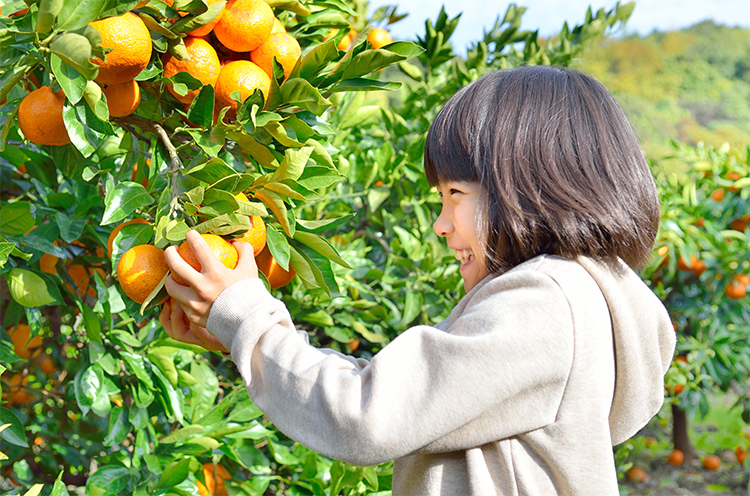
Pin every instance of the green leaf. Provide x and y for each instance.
(113, 479)
(293, 164)
(319, 226)
(16, 219)
(277, 206)
(212, 171)
(6, 248)
(76, 130)
(119, 427)
(201, 111)
(174, 473)
(316, 60)
(11, 78)
(191, 23)
(121, 200)
(28, 289)
(321, 246)
(186, 432)
(14, 433)
(93, 325)
(278, 246)
(365, 84)
(45, 18)
(77, 14)
(75, 50)
(299, 92)
(71, 81)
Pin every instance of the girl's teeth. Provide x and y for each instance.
(464, 256)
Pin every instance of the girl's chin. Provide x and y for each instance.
(472, 273)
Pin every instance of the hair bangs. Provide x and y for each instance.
(447, 151)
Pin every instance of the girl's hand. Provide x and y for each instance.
(205, 286)
(178, 327)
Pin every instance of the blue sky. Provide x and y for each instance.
(549, 15)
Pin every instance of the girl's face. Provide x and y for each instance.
(457, 223)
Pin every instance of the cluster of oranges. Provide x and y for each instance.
(378, 37)
(234, 52)
(30, 349)
(142, 267)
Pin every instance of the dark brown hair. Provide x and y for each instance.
(560, 169)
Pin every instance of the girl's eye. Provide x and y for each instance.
(454, 191)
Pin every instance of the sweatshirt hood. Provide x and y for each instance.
(644, 342)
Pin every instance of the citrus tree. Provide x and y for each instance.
(701, 273)
(124, 125)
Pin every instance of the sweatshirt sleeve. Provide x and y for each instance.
(498, 370)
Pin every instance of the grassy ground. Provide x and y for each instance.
(718, 433)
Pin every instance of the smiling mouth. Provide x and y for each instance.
(464, 256)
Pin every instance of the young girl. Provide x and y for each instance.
(556, 353)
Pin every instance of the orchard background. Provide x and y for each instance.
(326, 149)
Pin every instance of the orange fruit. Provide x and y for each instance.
(740, 224)
(48, 262)
(674, 390)
(676, 457)
(733, 176)
(122, 98)
(379, 37)
(203, 65)
(83, 279)
(130, 41)
(40, 117)
(220, 247)
(15, 394)
(276, 275)
(113, 234)
(215, 475)
(243, 76)
(140, 270)
(347, 40)
(256, 235)
(743, 279)
(741, 454)
(45, 363)
(696, 266)
(637, 474)
(718, 194)
(205, 30)
(22, 345)
(278, 27)
(681, 358)
(735, 290)
(244, 25)
(711, 462)
(283, 47)
(353, 344)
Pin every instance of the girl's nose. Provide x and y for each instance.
(442, 226)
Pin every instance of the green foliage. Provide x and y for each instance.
(691, 85)
(704, 245)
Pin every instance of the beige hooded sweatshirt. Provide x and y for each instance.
(523, 390)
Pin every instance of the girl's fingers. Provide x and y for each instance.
(179, 266)
(181, 327)
(202, 252)
(246, 261)
(179, 292)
